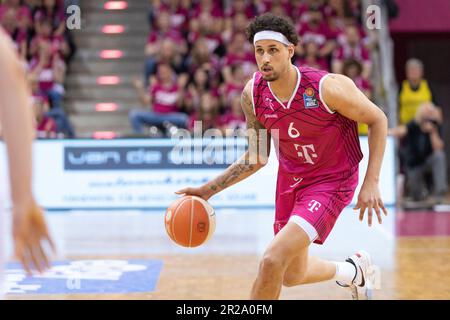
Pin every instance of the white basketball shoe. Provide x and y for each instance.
(360, 287)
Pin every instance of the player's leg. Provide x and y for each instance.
(309, 269)
(290, 243)
(303, 269)
(306, 269)
(316, 212)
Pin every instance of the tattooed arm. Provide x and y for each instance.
(251, 161)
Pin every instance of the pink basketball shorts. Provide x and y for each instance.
(313, 204)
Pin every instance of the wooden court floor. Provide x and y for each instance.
(422, 271)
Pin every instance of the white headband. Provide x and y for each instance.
(271, 35)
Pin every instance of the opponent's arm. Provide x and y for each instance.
(251, 161)
(29, 227)
(15, 114)
(341, 95)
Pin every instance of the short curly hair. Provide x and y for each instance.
(269, 21)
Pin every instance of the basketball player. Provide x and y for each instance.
(315, 115)
(28, 224)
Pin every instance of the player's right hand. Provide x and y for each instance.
(30, 233)
(201, 192)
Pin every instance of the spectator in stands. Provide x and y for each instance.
(352, 49)
(45, 125)
(153, 49)
(207, 114)
(54, 11)
(335, 15)
(207, 22)
(239, 7)
(238, 53)
(199, 84)
(211, 7)
(10, 23)
(312, 57)
(202, 57)
(211, 31)
(423, 151)
(33, 5)
(234, 84)
(353, 69)
(22, 12)
(37, 27)
(280, 9)
(170, 55)
(234, 25)
(178, 12)
(316, 29)
(233, 121)
(163, 98)
(57, 43)
(299, 9)
(335, 8)
(49, 69)
(276, 7)
(414, 91)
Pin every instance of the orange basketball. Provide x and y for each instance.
(190, 221)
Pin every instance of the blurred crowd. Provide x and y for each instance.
(198, 59)
(38, 31)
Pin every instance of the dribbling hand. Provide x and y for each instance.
(199, 192)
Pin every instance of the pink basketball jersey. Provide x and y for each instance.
(311, 139)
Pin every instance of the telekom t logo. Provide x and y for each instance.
(308, 152)
(314, 205)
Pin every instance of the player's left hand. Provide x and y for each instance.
(369, 198)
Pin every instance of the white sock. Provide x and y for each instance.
(345, 272)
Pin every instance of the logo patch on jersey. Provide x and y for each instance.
(309, 99)
(269, 103)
